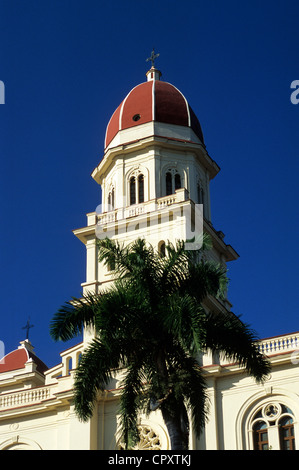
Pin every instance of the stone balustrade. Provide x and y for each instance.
(268, 346)
(278, 344)
(142, 208)
(24, 397)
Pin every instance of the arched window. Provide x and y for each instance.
(260, 436)
(78, 358)
(140, 188)
(168, 184)
(286, 433)
(200, 194)
(69, 365)
(111, 200)
(161, 248)
(272, 427)
(136, 189)
(177, 181)
(132, 190)
(173, 181)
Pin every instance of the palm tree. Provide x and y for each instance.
(151, 323)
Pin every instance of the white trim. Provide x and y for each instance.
(17, 441)
(153, 101)
(105, 141)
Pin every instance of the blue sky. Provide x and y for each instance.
(66, 66)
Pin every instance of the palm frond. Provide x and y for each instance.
(93, 374)
(205, 278)
(226, 333)
(69, 320)
(113, 254)
(203, 243)
(186, 387)
(195, 394)
(173, 268)
(184, 319)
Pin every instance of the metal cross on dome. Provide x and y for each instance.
(152, 58)
(27, 328)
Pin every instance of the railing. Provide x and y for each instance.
(166, 201)
(121, 213)
(142, 208)
(25, 397)
(279, 344)
(108, 217)
(135, 210)
(268, 346)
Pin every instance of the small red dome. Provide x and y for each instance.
(17, 360)
(153, 100)
(14, 360)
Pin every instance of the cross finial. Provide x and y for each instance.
(27, 328)
(152, 57)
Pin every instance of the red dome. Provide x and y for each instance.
(17, 360)
(152, 101)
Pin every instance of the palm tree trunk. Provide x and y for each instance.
(178, 441)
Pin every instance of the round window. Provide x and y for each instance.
(136, 117)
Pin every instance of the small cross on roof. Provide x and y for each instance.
(27, 328)
(152, 57)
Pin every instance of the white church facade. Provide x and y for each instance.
(155, 180)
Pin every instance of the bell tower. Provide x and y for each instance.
(155, 175)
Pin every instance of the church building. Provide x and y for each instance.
(155, 173)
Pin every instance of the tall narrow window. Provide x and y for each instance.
(260, 436)
(140, 188)
(168, 184)
(161, 249)
(78, 357)
(177, 181)
(200, 196)
(69, 365)
(112, 198)
(198, 193)
(173, 181)
(132, 190)
(286, 433)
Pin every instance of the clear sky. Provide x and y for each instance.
(67, 65)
